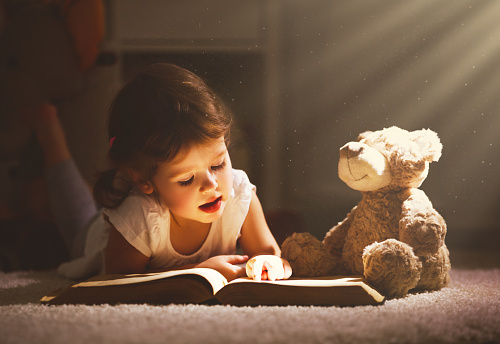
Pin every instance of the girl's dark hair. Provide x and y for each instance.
(157, 114)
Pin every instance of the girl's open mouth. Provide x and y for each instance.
(212, 207)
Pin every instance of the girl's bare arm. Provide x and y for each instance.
(257, 240)
(120, 257)
(123, 258)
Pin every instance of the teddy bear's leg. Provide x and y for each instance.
(435, 270)
(391, 267)
(334, 240)
(307, 256)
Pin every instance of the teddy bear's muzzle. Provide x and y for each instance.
(363, 168)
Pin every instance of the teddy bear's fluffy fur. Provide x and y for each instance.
(394, 236)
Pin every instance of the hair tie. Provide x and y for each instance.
(111, 141)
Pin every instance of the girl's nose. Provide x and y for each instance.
(209, 182)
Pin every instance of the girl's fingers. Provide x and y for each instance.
(268, 267)
(236, 259)
(267, 271)
(257, 270)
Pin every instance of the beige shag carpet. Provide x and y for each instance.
(468, 311)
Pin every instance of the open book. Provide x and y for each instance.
(201, 285)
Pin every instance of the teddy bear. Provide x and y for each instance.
(394, 236)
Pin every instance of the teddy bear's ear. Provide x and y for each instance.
(429, 144)
(364, 135)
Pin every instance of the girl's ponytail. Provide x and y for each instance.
(111, 189)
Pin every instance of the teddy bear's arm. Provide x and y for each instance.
(335, 238)
(421, 226)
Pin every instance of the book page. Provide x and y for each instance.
(328, 281)
(215, 278)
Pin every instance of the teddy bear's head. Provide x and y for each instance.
(390, 158)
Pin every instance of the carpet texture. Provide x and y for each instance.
(468, 311)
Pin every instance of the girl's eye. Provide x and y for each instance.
(219, 167)
(187, 182)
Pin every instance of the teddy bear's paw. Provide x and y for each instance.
(424, 231)
(307, 256)
(435, 270)
(391, 267)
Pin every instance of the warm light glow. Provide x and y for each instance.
(360, 65)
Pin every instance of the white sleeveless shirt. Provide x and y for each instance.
(145, 224)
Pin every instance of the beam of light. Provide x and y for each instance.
(415, 64)
(370, 59)
(444, 68)
(457, 70)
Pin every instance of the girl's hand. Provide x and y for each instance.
(226, 265)
(268, 267)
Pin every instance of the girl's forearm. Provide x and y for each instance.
(183, 267)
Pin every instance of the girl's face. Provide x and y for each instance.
(196, 186)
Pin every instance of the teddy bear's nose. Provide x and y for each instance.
(351, 150)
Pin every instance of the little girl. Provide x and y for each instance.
(171, 199)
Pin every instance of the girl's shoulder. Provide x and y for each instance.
(242, 187)
(138, 198)
(136, 202)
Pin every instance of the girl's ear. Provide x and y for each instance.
(145, 187)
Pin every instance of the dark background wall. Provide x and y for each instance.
(304, 77)
(364, 65)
